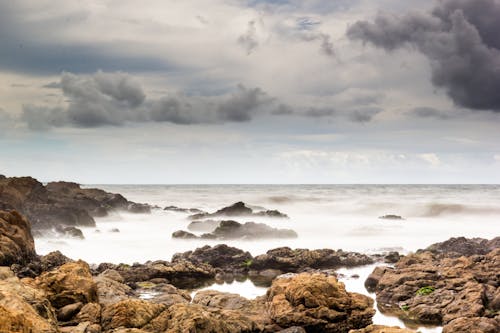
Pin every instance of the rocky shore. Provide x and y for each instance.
(454, 283)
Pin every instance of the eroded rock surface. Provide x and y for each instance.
(16, 242)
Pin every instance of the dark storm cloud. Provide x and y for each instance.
(249, 39)
(117, 98)
(459, 37)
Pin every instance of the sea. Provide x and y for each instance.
(324, 216)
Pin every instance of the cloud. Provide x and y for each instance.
(429, 112)
(431, 158)
(459, 37)
(117, 98)
(249, 39)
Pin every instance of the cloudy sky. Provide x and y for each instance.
(250, 91)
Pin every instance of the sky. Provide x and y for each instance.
(250, 91)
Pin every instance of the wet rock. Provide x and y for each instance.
(438, 287)
(219, 256)
(288, 260)
(184, 210)
(67, 312)
(391, 217)
(16, 242)
(111, 291)
(392, 257)
(318, 303)
(473, 325)
(217, 299)
(181, 234)
(130, 313)
(71, 232)
(139, 208)
(265, 277)
(238, 209)
(53, 260)
(164, 293)
(250, 230)
(462, 246)
(382, 329)
(203, 226)
(23, 307)
(68, 284)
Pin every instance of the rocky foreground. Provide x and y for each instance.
(455, 284)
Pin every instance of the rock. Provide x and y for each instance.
(473, 325)
(203, 226)
(217, 299)
(391, 217)
(67, 312)
(113, 275)
(219, 256)
(318, 303)
(184, 210)
(16, 242)
(438, 287)
(250, 230)
(199, 319)
(90, 312)
(53, 260)
(288, 260)
(265, 277)
(182, 274)
(23, 308)
(238, 209)
(130, 313)
(382, 329)
(111, 291)
(294, 329)
(114, 230)
(138, 208)
(392, 257)
(462, 246)
(72, 232)
(374, 278)
(183, 235)
(68, 284)
(165, 293)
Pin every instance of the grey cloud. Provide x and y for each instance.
(249, 39)
(363, 115)
(459, 37)
(428, 112)
(117, 98)
(52, 85)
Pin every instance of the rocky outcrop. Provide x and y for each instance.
(473, 325)
(382, 329)
(16, 242)
(238, 209)
(287, 260)
(24, 308)
(438, 286)
(461, 246)
(182, 274)
(183, 210)
(221, 256)
(235, 230)
(203, 226)
(60, 203)
(70, 232)
(130, 313)
(318, 303)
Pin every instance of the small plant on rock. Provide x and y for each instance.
(247, 263)
(424, 291)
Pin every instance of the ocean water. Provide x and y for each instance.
(324, 216)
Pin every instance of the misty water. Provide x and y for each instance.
(324, 216)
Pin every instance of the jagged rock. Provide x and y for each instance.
(250, 230)
(90, 312)
(318, 303)
(473, 325)
(16, 242)
(438, 287)
(53, 260)
(68, 284)
(23, 308)
(111, 291)
(288, 260)
(203, 226)
(72, 232)
(183, 235)
(462, 246)
(238, 209)
(219, 256)
(130, 313)
(382, 329)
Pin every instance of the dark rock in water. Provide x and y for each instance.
(16, 242)
(250, 230)
(220, 256)
(72, 232)
(391, 217)
(463, 246)
(236, 210)
(183, 235)
(114, 230)
(288, 260)
(138, 208)
(449, 281)
(53, 260)
(184, 210)
(392, 257)
(263, 278)
(203, 226)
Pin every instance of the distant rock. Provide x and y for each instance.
(71, 232)
(219, 256)
(138, 208)
(114, 230)
(183, 235)
(238, 209)
(184, 210)
(462, 246)
(391, 217)
(203, 226)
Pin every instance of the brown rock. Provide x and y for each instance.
(110, 291)
(67, 312)
(90, 312)
(382, 329)
(68, 284)
(317, 302)
(16, 242)
(473, 325)
(217, 299)
(130, 313)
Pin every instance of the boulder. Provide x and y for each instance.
(130, 313)
(69, 311)
(90, 312)
(238, 209)
(473, 325)
(16, 242)
(53, 260)
(163, 293)
(219, 256)
(181, 234)
(68, 284)
(110, 291)
(288, 260)
(436, 287)
(250, 230)
(318, 303)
